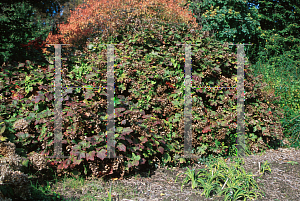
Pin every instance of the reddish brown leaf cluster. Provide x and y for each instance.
(36, 44)
(170, 85)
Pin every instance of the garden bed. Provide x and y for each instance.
(282, 183)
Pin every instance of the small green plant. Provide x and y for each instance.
(220, 179)
(109, 193)
(265, 167)
(190, 176)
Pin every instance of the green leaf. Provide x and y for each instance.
(182, 160)
(201, 150)
(166, 157)
(254, 129)
(3, 138)
(3, 128)
(25, 163)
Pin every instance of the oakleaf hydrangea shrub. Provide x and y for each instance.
(149, 100)
(149, 103)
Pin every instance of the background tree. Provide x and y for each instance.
(279, 22)
(24, 23)
(17, 28)
(90, 19)
(55, 12)
(273, 28)
(50, 10)
(230, 21)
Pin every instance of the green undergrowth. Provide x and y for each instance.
(282, 75)
(219, 179)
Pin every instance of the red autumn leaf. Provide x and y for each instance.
(82, 154)
(161, 150)
(206, 129)
(49, 96)
(101, 154)
(91, 16)
(39, 97)
(60, 166)
(17, 96)
(90, 155)
(121, 147)
(66, 163)
(76, 162)
(36, 44)
(170, 85)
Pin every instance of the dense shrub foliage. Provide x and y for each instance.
(149, 85)
(149, 117)
(149, 98)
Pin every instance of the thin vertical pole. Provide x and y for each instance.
(58, 105)
(240, 102)
(110, 102)
(188, 135)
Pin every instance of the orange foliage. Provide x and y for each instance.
(93, 16)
